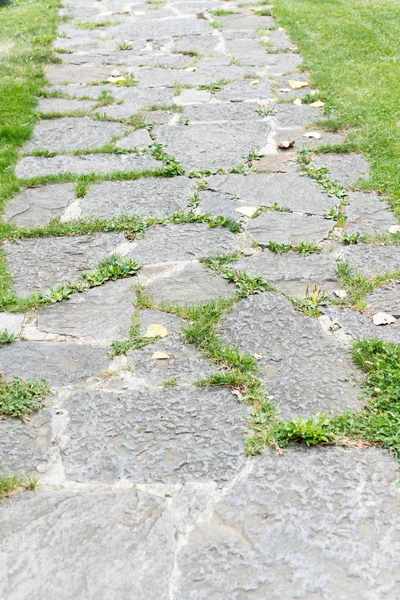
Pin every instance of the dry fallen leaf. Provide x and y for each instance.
(237, 393)
(297, 85)
(257, 356)
(255, 82)
(160, 356)
(312, 135)
(394, 229)
(285, 144)
(340, 293)
(382, 318)
(156, 330)
(317, 104)
(247, 211)
(298, 102)
(116, 79)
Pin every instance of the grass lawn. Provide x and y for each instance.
(351, 48)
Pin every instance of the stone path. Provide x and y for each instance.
(145, 490)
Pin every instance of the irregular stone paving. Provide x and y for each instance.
(145, 490)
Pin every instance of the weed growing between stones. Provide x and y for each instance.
(96, 24)
(214, 87)
(304, 248)
(358, 286)
(18, 397)
(135, 341)
(12, 484)
(7, 338)
(168, 383)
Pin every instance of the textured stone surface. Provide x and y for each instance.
(305, 369)
(386, 299)
(213, 146)
(35, 166)
(149, 197)
(63, 105)
(223, 111)
(61, 364)
(287, 228)
(290, 115)
(372, 259)
(238, 91)
(100, 315)
(368, 214)
(218, 204)
(161, 435)
(137, 139)
(35, 207)
(361, 326)
(345, 168)
(39, 263)
(11, 322)
(301, 142)
(182, 242)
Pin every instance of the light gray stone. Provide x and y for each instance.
(73, 133)
(36, 166)
(79, 74)
(187, 283)
(280, 40)
(218, 205)
(161, 435)
(222, 111)
(137, 139)
(38, 263)
(288, 228)
(306, 370)
(148, 316)
(60, 363)
(292, 272)
(147, 197)
(238, 91)
(100, 315)
(385, 299)
(286, 190)
(301, 142)
(347, 169)
(368, 213)
(213, 146)
(239, 22)
(190, 96)
(35, 207)
(63, 105)
(153, 78)
(183, 242)
(361, 325)
(290, 115)
(11, 322)
(178, 26)
(297, 526)
(159, 117)
(202, 44)
(372, 259)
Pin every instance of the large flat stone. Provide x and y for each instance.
(79, 74)
(160, 435)
(213, 146)
(239, 22)
(35, 207)
(305, 369)
(218, 204)
(182, 242)
(359, 325)
(292, 272)
(36, 166)
(73, 133)
(203, 44)
(385, 299)
(137, 140)
(38, 263)
(290, 115)
(367, 213)
(238, 91)
(372, 259)
(298, 526)
(153, 78)
(63, 105)
(288, 228)
(347, 169)
(149, 197)
(286, 190)
(221, 111)
(100, 315)
(180, 26)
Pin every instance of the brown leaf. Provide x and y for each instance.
(382, 318)
(297, 85)
(285, 144)
(317, 104)
(160, 356)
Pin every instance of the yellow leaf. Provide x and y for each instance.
(156, 330)
(255, 82)
(297, 85)
(317, 104)
(298, 102)
(116, 79)
(160, 356)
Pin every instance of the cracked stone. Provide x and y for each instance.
(160, 435)
(361, 325)
(137, 139)
(372, 259)
(368, 213)
(385, 299)
(347, 169)
(38, 263)
(288, 228)
(305, 369)
(35, 207)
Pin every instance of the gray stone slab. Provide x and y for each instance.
(188, 283)
(292, 272)
(296, 134)
(218, 204)
(66, 543)
(345, 168)
(73, 133)
(297, 526)
(183, 242)
(81, 74)
(154, 435)
(35, 207)
(222, 111)
(60, 363)
(36, 166)
(372, 259)
(11, 322)
(368, 213)
(278, 64)
(385, 299)
(153, 78)
(148, 197)
(287, 190)
(213, 146)
(152, 30)
(38, 263)
(306, 370)
(276, 163)
(238, 91)
(202, 44)
(25, 446)
(288, 228)
(136, 140)
(63, 105)
(159, 117)
(284, 91)
(280, 40)
(291, 115)
(172, 323)
(100, 315)
(239, 22)
(361, 325)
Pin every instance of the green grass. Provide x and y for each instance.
(18, 397)
(351, 49)
(12, 484)
(95, 24)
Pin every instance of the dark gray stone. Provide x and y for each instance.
(100, 315)
(39, 263)
(288, 228)
(202, 44)
(218, 204)
(367, 213)
(35, 207)
(292, 272)
(79, 74)
(306, 370)
(309, 524)
(153, 78)
(213, 146)
(221, 111)
(137, 139)
(361, 325)
(287, 190)
(280, 40)
(372, 259)
(60, 363)
(36, 166)
(160, 435)
(148, 316)
(188, 283)
(290, 115)
(238, 91)
(148, 197)
(73, 133)
(347, 169)
(63, 105)
(385, 299)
